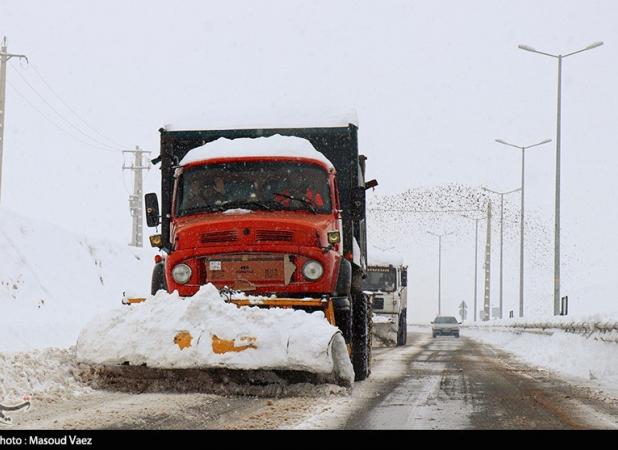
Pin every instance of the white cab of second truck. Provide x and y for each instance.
(387, 282)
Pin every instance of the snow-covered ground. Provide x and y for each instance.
(53, 281)
(582, 347)
(43, 375)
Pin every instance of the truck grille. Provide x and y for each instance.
(378, 303)
(219, 236)
(274, 235)
(247, 271)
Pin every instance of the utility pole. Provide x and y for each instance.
(486, 303)
(4, 57)
(501, 194)
(476, 257)
(135, 200)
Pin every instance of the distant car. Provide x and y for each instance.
(445, 326)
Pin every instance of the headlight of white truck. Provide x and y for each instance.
(313, 270)
(181, 273)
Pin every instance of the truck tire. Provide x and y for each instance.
(361, 351)
(360, 338)
(158, 278)
(343, 319)
(402, 331)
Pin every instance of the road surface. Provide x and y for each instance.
(462, 384)
(441, 383)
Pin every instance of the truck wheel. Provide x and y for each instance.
(360, 338)
(343, 320)
(158, 278)
(402, 332)
(361, 351)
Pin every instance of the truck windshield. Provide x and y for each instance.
(264, 185)
(381, 279)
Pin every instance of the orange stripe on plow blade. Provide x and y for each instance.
(183, 340)
(223, 345)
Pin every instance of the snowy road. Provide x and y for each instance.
(461, 384)
(442, 383)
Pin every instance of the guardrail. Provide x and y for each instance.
(605, 330)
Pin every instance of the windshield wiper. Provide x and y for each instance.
(304, 201)
(238, 203)
(199, 209)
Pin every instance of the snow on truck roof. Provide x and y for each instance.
(277, 145)
(377, 257)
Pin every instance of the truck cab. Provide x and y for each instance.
(271, 217)
(387, 285)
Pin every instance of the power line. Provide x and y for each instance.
(59, 127)
(79, 130)
(53, 91)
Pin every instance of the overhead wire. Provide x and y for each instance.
(71, 124)
(77, 115)
(55, 124)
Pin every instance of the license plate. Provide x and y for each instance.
(254, 269)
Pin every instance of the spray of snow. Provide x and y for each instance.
(144, 333)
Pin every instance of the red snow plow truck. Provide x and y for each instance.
(273, 218)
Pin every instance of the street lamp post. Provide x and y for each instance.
(558, 138)
(439, 236)
(501, 194)
(521, 219)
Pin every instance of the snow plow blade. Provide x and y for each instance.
(384, 332)
(207, 332)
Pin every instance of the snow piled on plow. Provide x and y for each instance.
(143, 333)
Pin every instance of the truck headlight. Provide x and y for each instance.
(181, 273)
(312, 270)
(334, 237)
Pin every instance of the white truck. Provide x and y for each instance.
(386, 283)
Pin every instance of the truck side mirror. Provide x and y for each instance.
(404, 278)
(358, 204)
(152, 209)
(371, 184)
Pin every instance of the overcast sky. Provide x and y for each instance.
(433, 84)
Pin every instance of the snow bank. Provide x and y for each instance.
(584, 346)
(264, 117)
(563, 352)
(277, 145)
(144, 334)
(42, 374)
(602, 327)
(52, 281)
